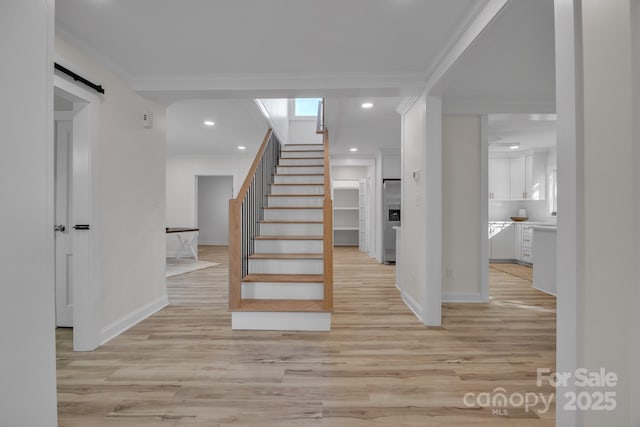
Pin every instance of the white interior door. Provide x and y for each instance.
(63, 242)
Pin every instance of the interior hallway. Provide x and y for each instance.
(378, 367)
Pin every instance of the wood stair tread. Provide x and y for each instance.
(299, 174)
(289, 238)
(285, 278)
(300, 151)
(295, 195)
(285, 256)
(284, 221)
(300, 158)
(291, 207)
(301, 166)
(297, 184)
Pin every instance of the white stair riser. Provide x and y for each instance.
(289, 154)
(258, 290)
(301, 162)
(290, 229)
(280, 321)
(302, 147)
(297, 189)
(286, 201)
(311, 179)
(288, 170)
(289, 246)
(293, 214)
(285, 266)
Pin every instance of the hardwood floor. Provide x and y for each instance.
(379, 366)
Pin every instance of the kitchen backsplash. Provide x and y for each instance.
(503, 210)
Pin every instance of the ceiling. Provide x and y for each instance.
(237, 123)
(195, 37)
(530, 131)
(511, 67)
(210, 58)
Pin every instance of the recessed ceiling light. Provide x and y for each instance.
(514, 147)
(241, 147)
(353, 150)
(209, 123)
(367, 105)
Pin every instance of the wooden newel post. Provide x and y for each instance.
(235, 254)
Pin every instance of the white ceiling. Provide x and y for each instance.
(237, 122)
(368, 130)
(163, 37)
(511, 67)
(530, 131)
(348, 51)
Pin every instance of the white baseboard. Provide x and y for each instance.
(111, 331)
(281, 321)
(471, 297)
(412, 304)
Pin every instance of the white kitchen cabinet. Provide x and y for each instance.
(518, 178)
(536, 174)
(502, 241)
(498, 179)
(524, 241)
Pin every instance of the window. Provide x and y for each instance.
(306, 107)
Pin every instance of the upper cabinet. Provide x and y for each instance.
(518, 178)
(498, 179)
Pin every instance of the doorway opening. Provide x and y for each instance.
(76, 208)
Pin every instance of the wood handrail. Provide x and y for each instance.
(328, 228)
(254, 167)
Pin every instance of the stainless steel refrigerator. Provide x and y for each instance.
(390, 218)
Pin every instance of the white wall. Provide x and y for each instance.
(302, 131)
(276, 111)
(214, 193)
(27, 371)
(132, 162)
(460, 203)
(349, 172)
(181, 182)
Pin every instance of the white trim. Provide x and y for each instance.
(131, 319)
(87, 299)
(432, 229)
(406, 104)
(92, 53)
(281, 321)
(466, 107)
(570, 126)
(413, 305)
(463, 297)
(484, 208)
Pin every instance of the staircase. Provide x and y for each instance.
(281, 242)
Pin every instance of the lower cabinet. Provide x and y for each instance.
(524, 240)
(501, 241)
(509, 241)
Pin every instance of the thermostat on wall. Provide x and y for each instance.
(147, 119)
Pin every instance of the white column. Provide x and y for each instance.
(597, 230)
(27, 371)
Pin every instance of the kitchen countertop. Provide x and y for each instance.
(528, 222)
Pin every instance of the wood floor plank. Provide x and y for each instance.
(379, 366)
